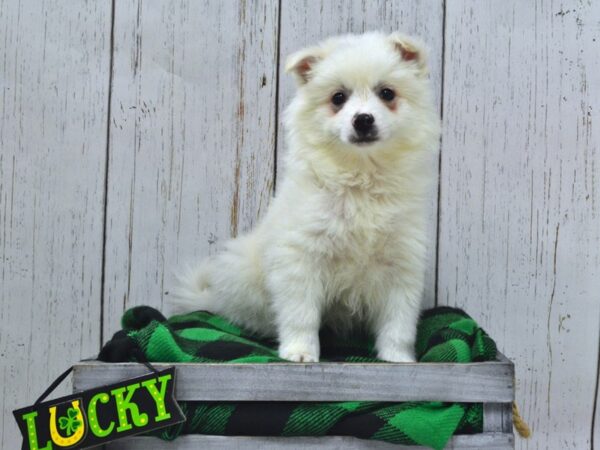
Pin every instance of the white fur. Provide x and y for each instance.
(343, 241)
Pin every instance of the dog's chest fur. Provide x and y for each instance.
(357, 221)
(355, 227)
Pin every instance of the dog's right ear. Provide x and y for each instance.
(301, 63)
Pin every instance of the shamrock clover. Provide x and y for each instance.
(69, 423)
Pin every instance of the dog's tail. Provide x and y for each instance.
(230, 284)
(193, 291)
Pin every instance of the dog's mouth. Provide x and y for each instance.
(363, 140)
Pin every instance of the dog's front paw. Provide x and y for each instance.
(396, 355)
(299, 357)
(299, 353)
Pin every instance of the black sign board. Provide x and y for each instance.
(101, 415)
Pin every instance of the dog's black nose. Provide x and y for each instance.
(363, 123)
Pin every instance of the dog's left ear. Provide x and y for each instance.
(411, 50)
(301, 63)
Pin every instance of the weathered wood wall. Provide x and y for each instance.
(192, 133)
(139, 136)
(54, 66)
(519, 229)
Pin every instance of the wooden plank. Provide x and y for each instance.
(519, 243)
(493, 441)
(54, 74)
(191, 138)
(306, 22)
(595, 432)
(477, 382)
(497, 417)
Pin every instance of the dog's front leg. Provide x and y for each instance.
(297, 300)
(396, 325)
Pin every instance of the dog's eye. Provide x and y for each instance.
(338, 99)
(387, 95)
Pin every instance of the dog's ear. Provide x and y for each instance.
(301, 63)
(411, 50)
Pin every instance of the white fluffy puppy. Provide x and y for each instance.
(344, 239)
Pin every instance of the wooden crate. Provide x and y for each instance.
(490, 383)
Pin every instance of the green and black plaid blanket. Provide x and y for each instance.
(444, 334)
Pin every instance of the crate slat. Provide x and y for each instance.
(497, 417)
(488, 382)
(494, 441)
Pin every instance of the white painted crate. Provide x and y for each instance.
(490, 383)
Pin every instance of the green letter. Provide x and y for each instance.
(102, 397)
(159, 397)
(139, 420)
(32, 432)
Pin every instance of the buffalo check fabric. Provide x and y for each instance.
(444, 335)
